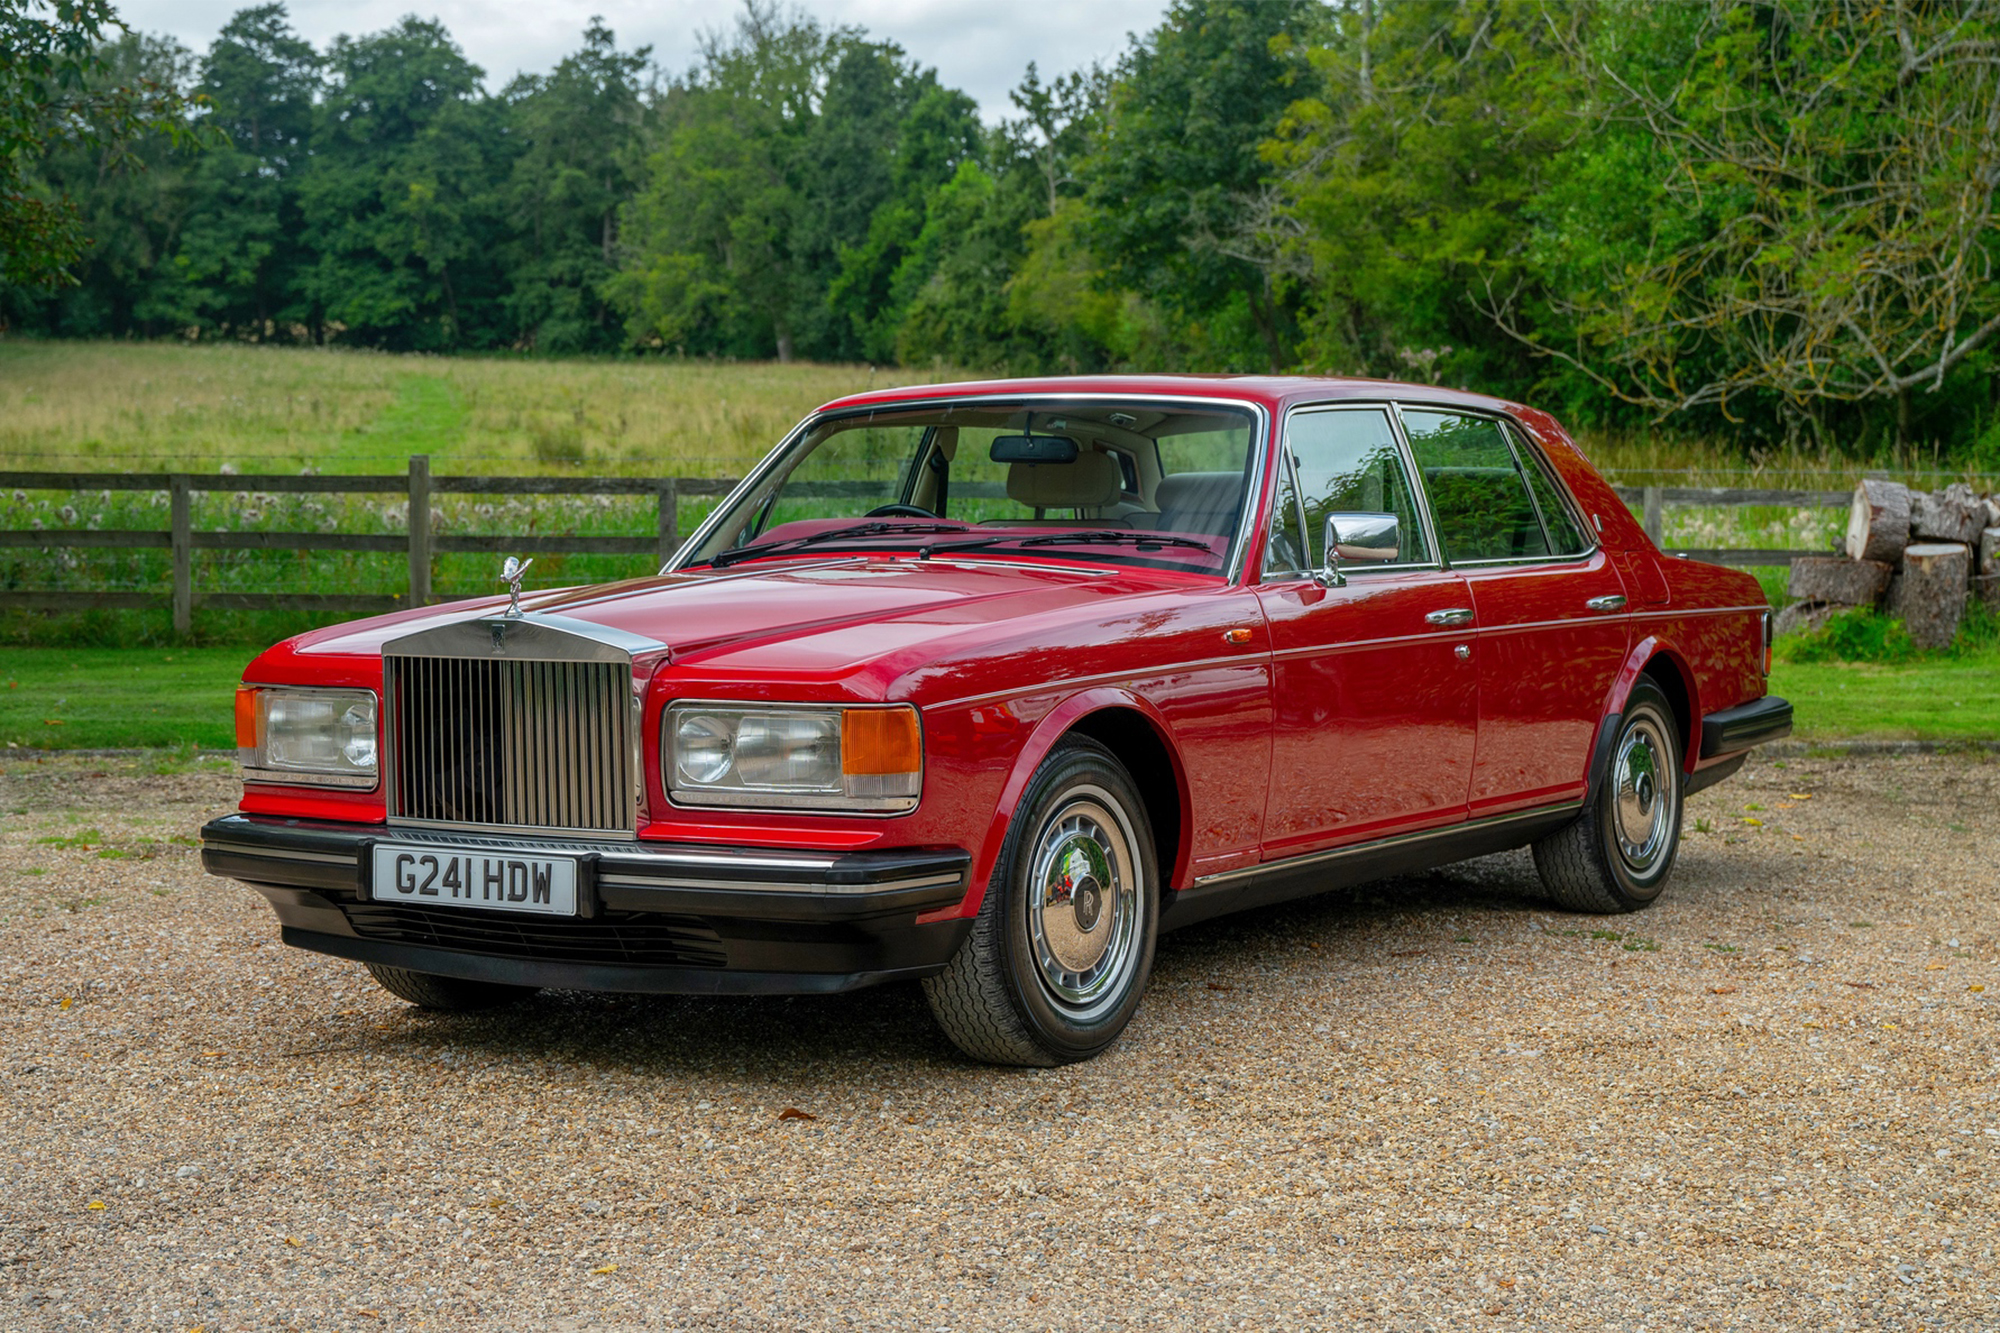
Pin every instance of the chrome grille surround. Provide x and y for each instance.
(521, 723)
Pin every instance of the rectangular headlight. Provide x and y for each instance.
(319, 738)
(797, 758)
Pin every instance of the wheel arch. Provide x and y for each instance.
(1133, 731)
(1664, 665)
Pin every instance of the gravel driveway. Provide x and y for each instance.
(1768, 1102)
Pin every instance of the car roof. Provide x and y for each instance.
(1275, 392)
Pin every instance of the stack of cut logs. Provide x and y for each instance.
(1918, 555)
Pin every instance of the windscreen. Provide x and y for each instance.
(1000, 477)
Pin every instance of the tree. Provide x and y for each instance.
(1177, 177)
(53, 93)
(710, 261)
(1784, 207)
(241, 252)
(400, 199)
(1405, 181)
(577, 129)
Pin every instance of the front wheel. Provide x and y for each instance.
(1616, 856)
(1063, 944)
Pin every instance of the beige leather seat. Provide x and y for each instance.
(1093, 481)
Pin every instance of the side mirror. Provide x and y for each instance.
(1370, 538)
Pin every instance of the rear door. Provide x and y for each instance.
(1374, 690)
(1552, 623)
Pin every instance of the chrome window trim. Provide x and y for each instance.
(1387, 407)
(1509, 430)
(1253, 486)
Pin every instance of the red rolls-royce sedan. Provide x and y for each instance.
(987, 685)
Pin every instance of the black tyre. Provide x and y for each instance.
(431, 991)
(1063, 944)
(1618, 853)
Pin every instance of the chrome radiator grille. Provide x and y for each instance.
(511, 743)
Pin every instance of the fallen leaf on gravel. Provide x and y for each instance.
(67, 1002)
(1407, 953)
(1219, 985)
(1928, 967)
(95, 1205)
(1975, 989)
(1799, 796)
(602, 1269)
(794, 1113)
(1493, 1309)
(1860, 985)
(1506, 1281)
(292, 1241)
(211, 1053)
(1722, 990)
(372, 1314)
(1753, 821)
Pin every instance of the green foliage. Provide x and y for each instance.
(1860, 635)
(1175, 179)
(1770, 221)
(60, 89)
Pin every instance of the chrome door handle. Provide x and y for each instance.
(1456, 615)
(1611, 602)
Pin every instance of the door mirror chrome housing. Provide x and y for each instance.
(1371, 538)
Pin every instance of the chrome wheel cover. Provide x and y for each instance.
(1644, 795)
(1083, 905)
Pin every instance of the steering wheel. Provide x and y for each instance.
(899, 510)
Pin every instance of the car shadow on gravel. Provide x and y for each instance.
(788, 1040)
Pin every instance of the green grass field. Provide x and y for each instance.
(116, 698)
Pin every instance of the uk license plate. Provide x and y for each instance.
(470, 877)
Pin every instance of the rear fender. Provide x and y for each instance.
(1642, 656)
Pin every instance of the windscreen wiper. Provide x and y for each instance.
(1071, 537)
(738, 553)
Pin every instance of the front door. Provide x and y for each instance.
(1375, 688)
(1552, 621)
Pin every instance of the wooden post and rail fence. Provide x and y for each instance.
(420, 543)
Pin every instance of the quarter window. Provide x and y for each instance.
(1479, 499)
(1566, 536)
(1347, 462)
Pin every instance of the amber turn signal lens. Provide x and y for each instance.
(880, 740)
(246, 717)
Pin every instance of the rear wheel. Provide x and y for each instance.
(431, 991)
(1063, 945)
(1618, 853)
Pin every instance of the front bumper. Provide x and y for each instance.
(655, 917)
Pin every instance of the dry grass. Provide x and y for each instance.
(101, 406)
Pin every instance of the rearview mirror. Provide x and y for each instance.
(1033, 449)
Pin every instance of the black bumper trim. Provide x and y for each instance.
(675, 878)
(1747, 725)
(602, 977)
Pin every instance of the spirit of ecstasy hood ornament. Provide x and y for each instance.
(510, 574)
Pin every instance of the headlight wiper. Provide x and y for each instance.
(738, 553)
(1072, 537)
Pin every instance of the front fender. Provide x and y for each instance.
(1055, 724)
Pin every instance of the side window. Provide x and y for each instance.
(1566, 536)
(1479, 498)
(1347, 462)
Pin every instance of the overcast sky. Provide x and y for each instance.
(981, 46)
